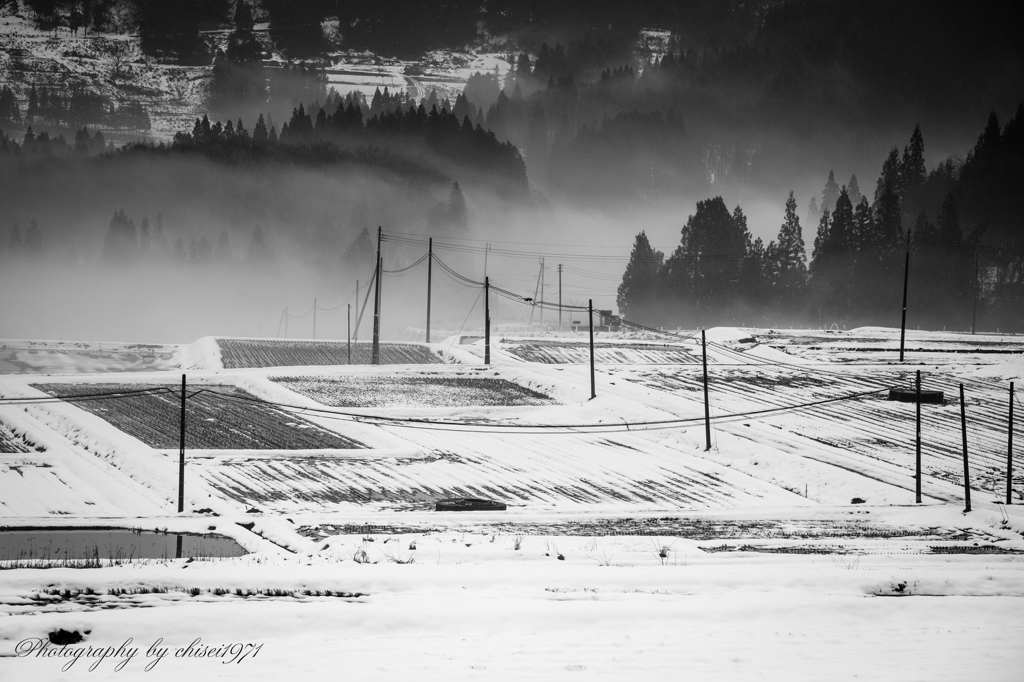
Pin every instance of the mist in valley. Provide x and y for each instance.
(602, 152)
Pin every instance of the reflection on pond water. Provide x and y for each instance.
(113, 545)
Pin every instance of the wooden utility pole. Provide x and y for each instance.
(536, 289)
(375, 359)
(430, 270)
(286, 322)
(559, 297)
(487, 321)
(903, 324)
(1009, 452)
(542, 291)
(349, 335)
(590, 311)
(917, 405)
(356, 336)
(314, 318)
(963, 432)
(181, 452)
(707, 406)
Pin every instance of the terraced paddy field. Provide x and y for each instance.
(413, 391)
(849, 410)
(218, 417)
(251, 353)
(605, 352)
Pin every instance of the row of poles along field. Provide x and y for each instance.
(487, 288)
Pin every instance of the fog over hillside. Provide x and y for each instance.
(564, 132)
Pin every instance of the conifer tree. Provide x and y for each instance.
(258, 251)
(830, 193)
(222, 252)
(638, 293)
(853, 189)
(790, 266)
(360, 253)
(890, 176)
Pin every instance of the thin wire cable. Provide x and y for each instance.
(476, 426)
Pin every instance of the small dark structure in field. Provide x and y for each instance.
(909, 395)
(469, 504)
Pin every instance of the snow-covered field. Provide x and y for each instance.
(792, 549)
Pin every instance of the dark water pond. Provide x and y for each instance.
(78, 545)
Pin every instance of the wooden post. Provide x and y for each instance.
(963, 431)
(906, 275)
(1009, 452)
(593, 385)
(356, 337)
(430, 267)
(917, 405)
(314, 318)
(349, 334)
(559, 297)
(487, 321)
(181, 452)
(707, 406)
(375, 359)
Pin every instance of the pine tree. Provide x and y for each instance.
(222, 252)
(830, 193)
(853, 189)
(121, 244)
(890, 177)
(360, 253)
(790, 256)
(457, 214)
(258, 251)
(813, 213)
(637, 296)
(145, 239)
(912, 168)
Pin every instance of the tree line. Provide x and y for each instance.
(961, 224)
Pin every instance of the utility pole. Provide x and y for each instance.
(1009, 452)
(963, 431)
(356, 337)
(487, 250)
(974, 310)
(286, 322)
(542, 291)
(349, 336)
(917, 404)
(181, 452)
(536, 290)
(559, 297)
(707, 406)
(376, 304)
(314, 318)
(903, 324)
(430, 267)
(590, 312)
(487, 321)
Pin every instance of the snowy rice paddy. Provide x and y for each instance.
(214, 421)
(791, 550)
(434, 391)
(246, 353)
